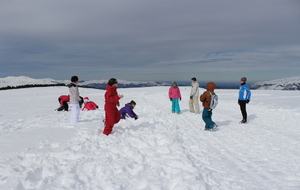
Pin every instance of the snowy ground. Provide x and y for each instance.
(41, 150)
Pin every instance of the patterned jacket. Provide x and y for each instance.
(74, 93)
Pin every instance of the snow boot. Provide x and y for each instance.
(243, 121)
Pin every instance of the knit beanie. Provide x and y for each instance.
(244, 79)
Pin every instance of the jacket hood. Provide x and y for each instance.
(174, 85)
(108, 87)
(211, 86)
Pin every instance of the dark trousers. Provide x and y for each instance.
(64, 107)
(243, 109)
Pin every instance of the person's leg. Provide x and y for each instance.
(176, 105)
(109, 122)
(173, 105)
(66, 106)
(196, 103)
(243, 110)
(206, 116)
(123, 116)
(112, 117)
(60, 108)
(191, 106)
(117, 116)
(75, 113)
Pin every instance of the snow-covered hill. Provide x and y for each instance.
(23, 80)
(100, 84)
(291, 83)
(40, 149)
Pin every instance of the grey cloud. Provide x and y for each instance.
(146, 36)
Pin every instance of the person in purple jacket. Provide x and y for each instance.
(128, 110)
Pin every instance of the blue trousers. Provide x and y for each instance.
(206, 116)
(175, 105)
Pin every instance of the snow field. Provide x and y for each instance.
(42, 150)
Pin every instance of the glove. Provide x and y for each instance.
(180, 98)
(238, 101)
(247, 101)
(170, 99)
(136, 117)
(191, 97)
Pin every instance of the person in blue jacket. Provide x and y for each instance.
(244, 98)
(128, 110)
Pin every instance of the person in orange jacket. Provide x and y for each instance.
(205, 98)
(112, 115)
(89, 105)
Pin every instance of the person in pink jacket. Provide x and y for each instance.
(175, 96)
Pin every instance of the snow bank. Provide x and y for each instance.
(41, 150)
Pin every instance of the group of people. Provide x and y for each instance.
(205, 98)
(65, 99)
(113, 115)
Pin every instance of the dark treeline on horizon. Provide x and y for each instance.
(36, 85)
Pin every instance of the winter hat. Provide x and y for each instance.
(86, 99)
(244, 79)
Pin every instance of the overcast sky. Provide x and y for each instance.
(158, 40)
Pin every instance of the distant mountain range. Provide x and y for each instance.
(291, 83)
(99, 84)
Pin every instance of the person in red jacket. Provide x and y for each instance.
(112, 115)
(63, 101)
(89, 105)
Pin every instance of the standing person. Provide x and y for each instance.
(193, 102)
(63, 101)
(128, 110)
(205, 98)
(112, 115)
(75, 99)
(175, 96)
(244, 98)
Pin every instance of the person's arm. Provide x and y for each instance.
(203, 97)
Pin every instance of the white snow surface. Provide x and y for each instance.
(40, 149)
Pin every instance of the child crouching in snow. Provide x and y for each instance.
(89, 105)
(63, 101)
(128, 109)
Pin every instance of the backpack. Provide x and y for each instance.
(213, 100)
